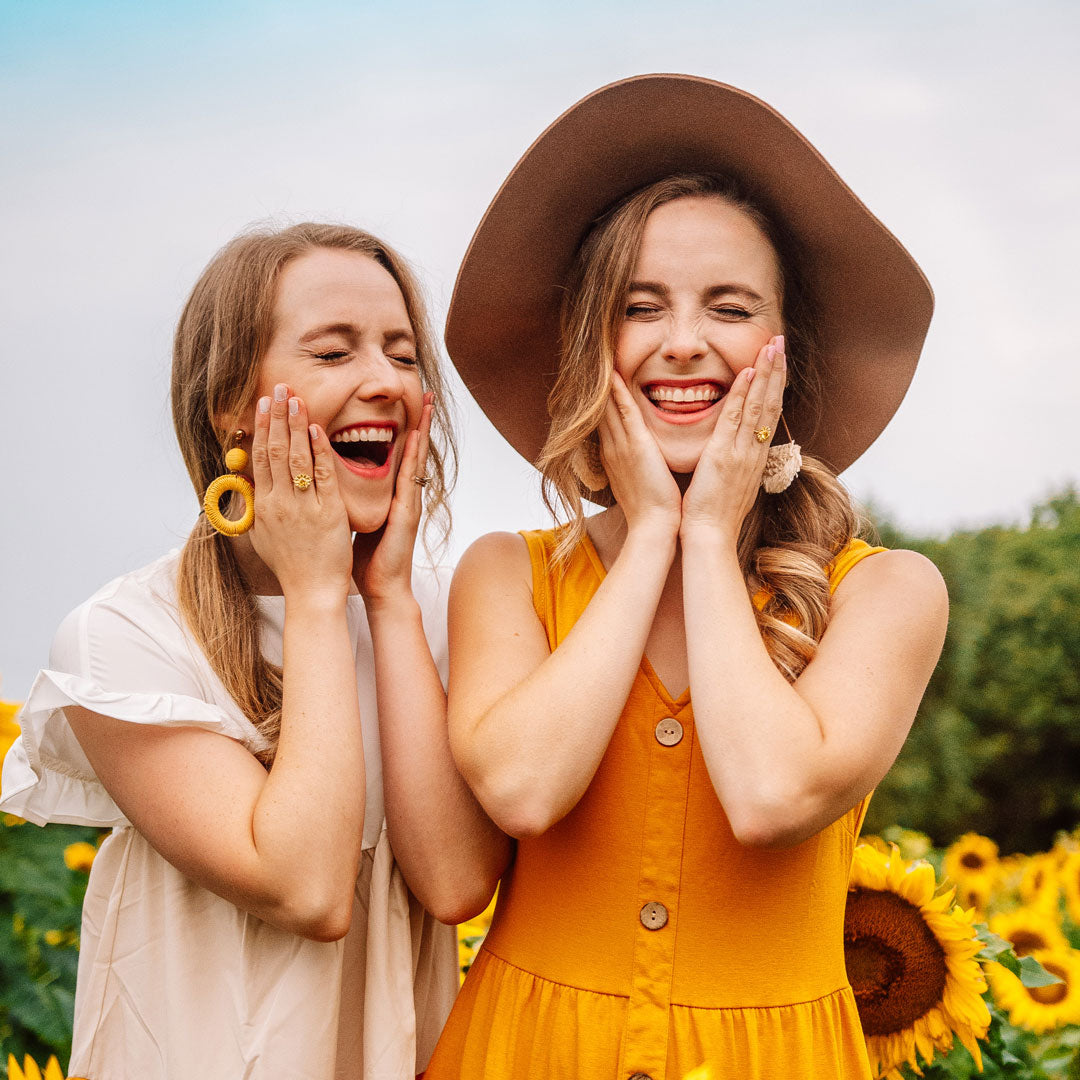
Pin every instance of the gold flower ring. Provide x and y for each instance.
(301, 481)
(762, 434)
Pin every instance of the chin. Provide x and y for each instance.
(368, 519)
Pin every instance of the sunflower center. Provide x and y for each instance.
(1026, 941)
(1051, 995)
(895, 964)
(972, 861)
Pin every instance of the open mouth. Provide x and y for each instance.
(365, 447)
(684, 399)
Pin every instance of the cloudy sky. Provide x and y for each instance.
(136, 138)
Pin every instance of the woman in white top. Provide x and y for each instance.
(260, 718)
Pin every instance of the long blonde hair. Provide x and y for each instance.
(221, 337)
(787, 540)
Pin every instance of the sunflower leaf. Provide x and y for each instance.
(993, 945)
(1032, 973)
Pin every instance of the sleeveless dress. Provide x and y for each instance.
(637, 939)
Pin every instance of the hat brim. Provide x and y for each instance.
(502, 332)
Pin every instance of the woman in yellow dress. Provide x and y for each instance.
(679, 706)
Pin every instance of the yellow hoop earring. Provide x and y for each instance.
(235, 460)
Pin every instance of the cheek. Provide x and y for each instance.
(632, 345)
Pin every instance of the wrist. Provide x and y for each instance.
(708, 536)
(391, 603)
(319, 602)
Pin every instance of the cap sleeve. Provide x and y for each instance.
(122, 654)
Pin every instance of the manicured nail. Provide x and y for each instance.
(313, 430)
(429, 398)
(770, 353)
(264, 404)
(294, 406)
(779, 342)
(750, 372)
(281, 392)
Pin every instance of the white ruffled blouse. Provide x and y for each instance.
(175, 981)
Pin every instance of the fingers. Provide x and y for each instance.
(763, 398)
(299, 441)
(277, 442)
(260, 460)
(323, 468)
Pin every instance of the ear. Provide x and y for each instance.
(228, 423)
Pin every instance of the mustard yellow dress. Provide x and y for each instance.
(637, 939)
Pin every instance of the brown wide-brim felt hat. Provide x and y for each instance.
(872, 300)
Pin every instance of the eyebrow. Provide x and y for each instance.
(727, 289)
(345, 329)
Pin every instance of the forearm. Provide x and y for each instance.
(307, 823)
(449, 851)
(531, 755)
(763, 745)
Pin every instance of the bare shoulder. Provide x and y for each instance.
(497, 563)
(899, 581)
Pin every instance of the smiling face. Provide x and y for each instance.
(342, 341)
(703, 299)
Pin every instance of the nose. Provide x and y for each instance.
(380, 379)
(684, 342)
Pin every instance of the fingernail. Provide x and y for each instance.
(429, 398)
(780, 342)
(294, 406)
(281, 392)
(750, 373)
(770, 353)
(264, 404)
(313, 430)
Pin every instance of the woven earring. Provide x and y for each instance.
(235, 460)
(588, 466)
(782, 464)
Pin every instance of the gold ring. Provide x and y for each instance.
(423, 481)
(762, 434)
(301, 481)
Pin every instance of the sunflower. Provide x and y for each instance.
(80, 856)
(9, 730)
(1040, 1008)
(471, 936)
(31, 1071)
(1070, 884)
(971, 855)
(1038, 885)
(1029, 930)
(911, 963)
(975, 891)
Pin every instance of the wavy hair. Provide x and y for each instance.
(222, 335)
(787, 541)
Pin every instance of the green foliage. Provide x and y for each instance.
(40, 912)
(996, 746)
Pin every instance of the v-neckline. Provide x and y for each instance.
(645, 667)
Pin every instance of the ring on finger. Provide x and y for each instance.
(762, 434)
(301, 481)
(423, 481)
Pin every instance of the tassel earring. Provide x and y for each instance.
(235, 460)
(782, 464)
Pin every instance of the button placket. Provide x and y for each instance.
(644, 1047)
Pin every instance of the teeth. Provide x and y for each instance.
(701, 392)
(364, 434)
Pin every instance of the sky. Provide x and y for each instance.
(137, 138)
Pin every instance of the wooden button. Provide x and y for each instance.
(653, 916)
(669, 732)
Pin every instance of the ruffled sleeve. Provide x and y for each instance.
(123, 654)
